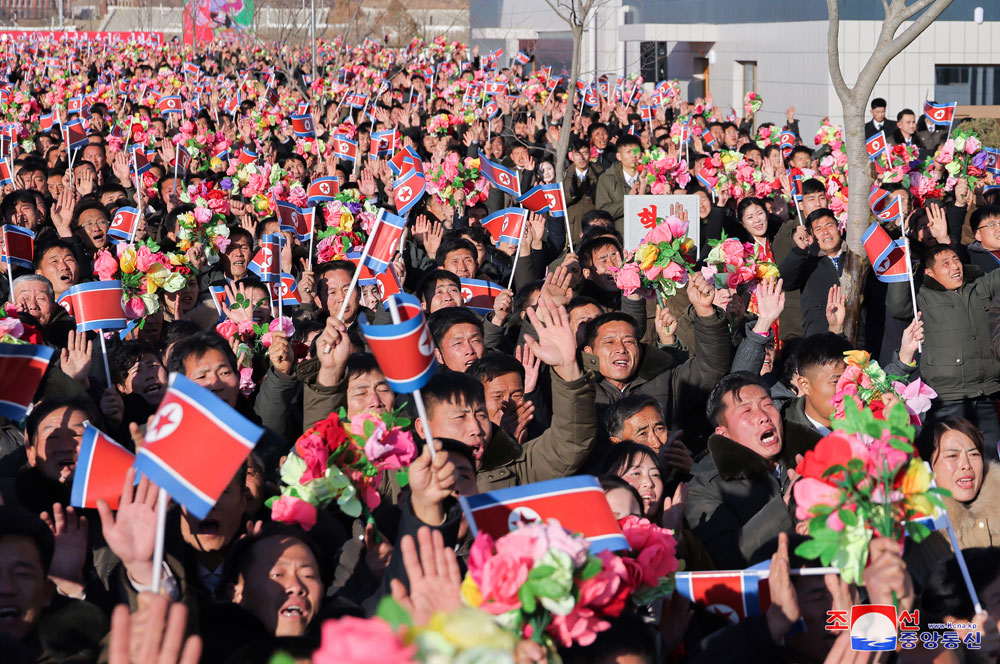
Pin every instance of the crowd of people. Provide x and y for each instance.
(694, 410)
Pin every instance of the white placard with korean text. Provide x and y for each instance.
(641, 213)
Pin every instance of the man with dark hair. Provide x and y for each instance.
(906, 132)
(503, 380)
(959, 315)
(57, 262)
(738, 499)
(598, 135)
(879, 122)
(813, 196)
(458, 256)
(439, 289)
(458, 335)
(620, 179)
(600, 256)
(813, 266)
(639, 418)
(456, 408)
(984, 252)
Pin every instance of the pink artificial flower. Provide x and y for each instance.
(351, 640)
(314, 452)
(580, 626)
(245, 327)
(733, 251)
(202, 215)
(656, 547)
(917, 396)
(288, 509)
(390, 450)
(144, 258)
(227, 329)
(733, 279)
(134, 308)
(884, 457)
(105, 266)
(946, 153)
(554, 536)
(627, 278)
(709, 272)
(221, 243)
(676, 226)
(972, 145)
(480, 552)
(810, 491)
(246, 381)
(675, 272)
(11, 326)
(297, 196)
(502, 578)
(609, 589)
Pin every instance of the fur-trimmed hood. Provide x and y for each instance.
(977, 524)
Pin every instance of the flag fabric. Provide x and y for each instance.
(797, 184)
(246, 155)
(940, 114)
(404, 350)
(18, 246)
(884, 206)
(345, 148)
(323, 190)
(522, 58)
(356, 100)
(385, 243)
(139, 163)
(46, 121)
(124, 223)
(287, 289)
(303, 126)
(175, 456)
(491, 109)
(408, 190)
(734, 595)
(786, 140)
(100, 470)
(404, 161)
(219, 297)
(384, 143)
(22, 367)
(96, 305)
(182, 158)
(74, 135)
(887, 256)
(388, 284)
(577, 503)
(171, 104)
(479, 295)
(590, 97)
(191, 69)
(502, 178)
(875, 145)
(74, 105)
(505, 225)
(992, 164)
(647, 113)
(266, 263)
(545, 199)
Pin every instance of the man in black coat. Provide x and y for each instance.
(813, 265)
(879, 122)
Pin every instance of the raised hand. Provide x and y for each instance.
(237, 293)
(515, 419)
(836, 309)
(153, 635)
(432, 481)
(131, 531)
(913, 337)
(557, 345)
(802, 238)
(435, 579)
(70, 531)
(675, 453)
(119, 166)
(673, 509)
(701, 294)
(666, 326)
(432, 240)
(62, 212)
(76, 358)
(937, 223)
(770, 304)
(784, 611)
(366, 185)
(333, 347)
(281, 353)
(502, 306)
(557, 290)
(531, 366)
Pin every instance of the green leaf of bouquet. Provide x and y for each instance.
(810, 549)
(941, 491)
(369, 429)
(591, 568)
(900, 445)
(393, 613)
(527, 599)
(917, 531)
(403, 477)
(848, 517)
(821, 510)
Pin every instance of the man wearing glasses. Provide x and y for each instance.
(984, 253)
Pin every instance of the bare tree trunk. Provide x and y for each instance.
(854, 101)
(567, 123)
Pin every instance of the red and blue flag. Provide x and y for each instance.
(887, 256)
(505, 225)
(408, 190)
(96, 305)
(384, 243)
(170, 104)
(323, 190)
(124, 223)
(545, 199)
(578, 503)
(22, 367)
(875, 145)
(345, 148)
(404, 350)
(884, 205)
(940, 114)
(479, 295)
(303, 126)
(733, 595)
(502, 178)
(266, 263)
(175, 456)
(74, 135)
(18, 246)
(101, 465)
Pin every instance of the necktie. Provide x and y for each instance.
(836, 262)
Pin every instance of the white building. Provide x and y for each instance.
(776, 47)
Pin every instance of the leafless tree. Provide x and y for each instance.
(920, 13)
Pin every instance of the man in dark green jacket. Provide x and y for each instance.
(954, 302)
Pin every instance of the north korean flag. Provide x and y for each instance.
(479, 295)
(21, 369)
(405, 160)
(404, 350)
(940, 114)
(100, 470)
(246, 155)
(302, 108)
(219, 298)
(123, 223)
(734, 595)
(884, 206)
(96, 305)
(222, 155)
(46, 121)
(139, 162)
(356, 100)
(545, 198)
(182, 158)
(384, 243)
(323, 190)
(388, 284)
(646, 112)
(171, 104)
(408, 190)
(577, 503)
(875, 145)
(502, 178)
(992, 164)
(522, 58)
(495, 87)
(270, 97)
(887, 256)
(787, 142)
(232, 104)
(287, 289)
(191, 69)
(74, 105)
(505, 225)
(590, 97)
(74, 135)
(303, 126)
(18, 246)
(5, 175)
(296, 220)
(266, 264)
(709, 139)
(384, 143)
(797, 184)
(345, 148)
(175, 456)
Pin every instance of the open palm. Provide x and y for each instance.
(131, 531)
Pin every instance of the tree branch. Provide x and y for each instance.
(555, 7)
(833, 52)
(937, 7)
(916, 8)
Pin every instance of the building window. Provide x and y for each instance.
(969, 85)
(749, 77)
(653, 61)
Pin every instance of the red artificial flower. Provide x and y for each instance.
(833, 450)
